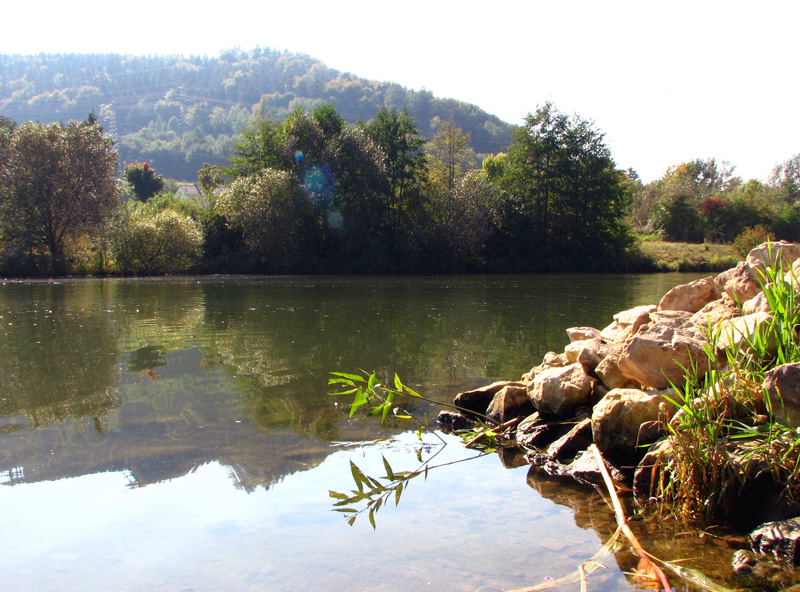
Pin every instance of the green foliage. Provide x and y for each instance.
(153, 239)
(178, 112)
(750, 238)
(56, 183)
(383, 402)
(143, 180)
(271, 212)
(567, 193)
(727, 433)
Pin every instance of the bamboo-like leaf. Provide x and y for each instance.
(337, 495)
(349, 392)
(397, 493)
(358, 477)
(373, 380)
(372, 518)
(412, 392)
(387, 466)
(359, 400)
(397, 383)
(352, 520)
(346, 510)
(354, 377)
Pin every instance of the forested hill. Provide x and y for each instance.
(179, 112)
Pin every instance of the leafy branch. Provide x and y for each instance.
(374, 492)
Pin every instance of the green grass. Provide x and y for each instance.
(658, 255)
(727, 410)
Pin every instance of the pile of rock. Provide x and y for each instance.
(613, 386)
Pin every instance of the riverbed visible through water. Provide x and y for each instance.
(178, 434)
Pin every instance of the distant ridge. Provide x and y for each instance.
(178, 112)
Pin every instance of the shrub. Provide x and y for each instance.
(149, 241)
(750, 239)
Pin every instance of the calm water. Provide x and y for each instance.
(177, 434)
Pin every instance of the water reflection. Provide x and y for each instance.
(171, 385)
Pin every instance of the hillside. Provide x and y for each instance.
(178, 112)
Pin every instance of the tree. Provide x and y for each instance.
(271, 211)
(258, 146)
(785, 178)
(406, 165)
(143, 180)
(450, 154)
(568, 197)
(209, 178)
(56, 182)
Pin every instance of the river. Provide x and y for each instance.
(178, 434)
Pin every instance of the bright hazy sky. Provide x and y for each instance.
(666, 82)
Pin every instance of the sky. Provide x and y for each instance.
(666, 82)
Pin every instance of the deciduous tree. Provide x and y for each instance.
(56, 181)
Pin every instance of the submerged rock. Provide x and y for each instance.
(778, 539)
(625, 420)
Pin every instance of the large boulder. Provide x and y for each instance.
(627, 323)
(625, 420)
(477, 400)
(611, 376)
(590, 352)
(691, 297)
(581, 333)
(772, 254)
(551, 360)
(570, 444)
(782, 385)
(560, 390)
(741, 332)
(714, 312)
(510, 402)
(739, 282)
(660, 355)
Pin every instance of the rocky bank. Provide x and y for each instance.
(612, 386)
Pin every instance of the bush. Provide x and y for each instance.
(750, 239)
(149, 241)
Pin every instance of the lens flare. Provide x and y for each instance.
(335, 220)
(318, 183)
(299, 156)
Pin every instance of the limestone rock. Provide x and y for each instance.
(453, 420)
(509, 402)
(715, 312)
(581, 333)
(477, 400)
(533, 432)
(782, 384)
(570, 444)
(758, 303)
(584, 469)
(738, 282)
(611, 376)
(559, 391)
(691, 297)
(772, 254)
(778, 539)
(590, 352)
(658, 355)
(627, 323)
(551, 360)
(738, 332)
(626, 419)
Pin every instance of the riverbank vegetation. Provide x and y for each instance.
(310, 192)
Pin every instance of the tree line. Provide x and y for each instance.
(704, 201)
(178, 112)
(313, 193)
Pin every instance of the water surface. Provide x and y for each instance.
(177, 434)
